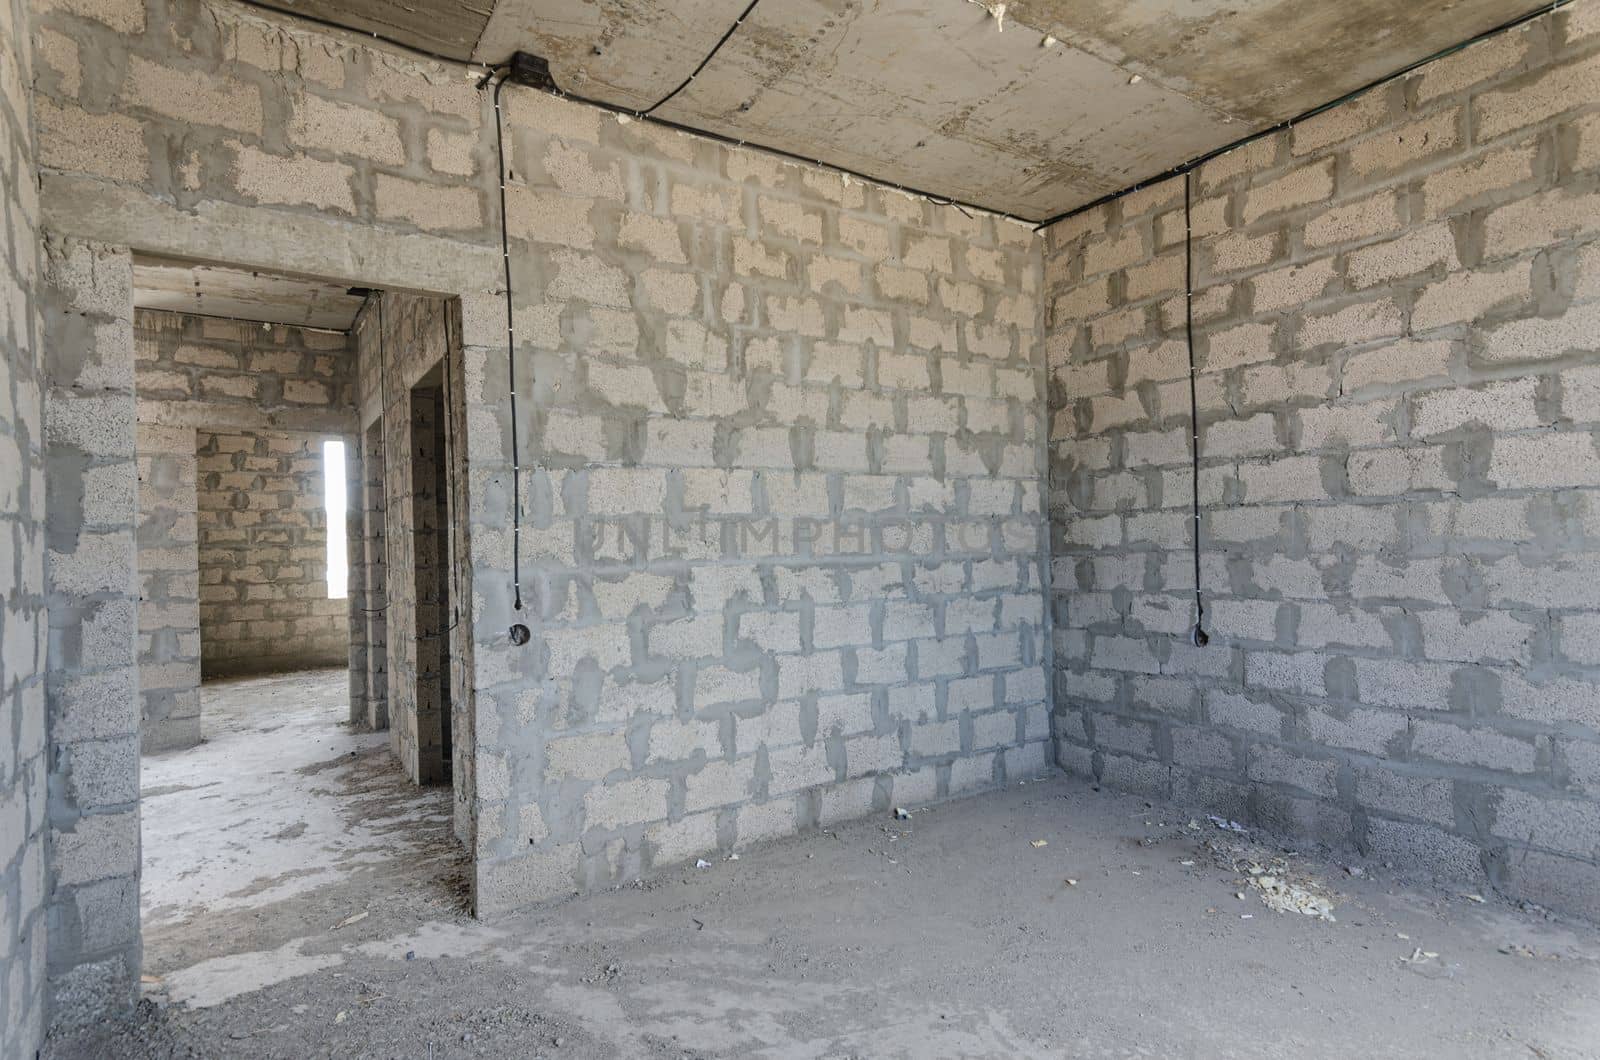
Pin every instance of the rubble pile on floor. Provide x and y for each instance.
(1282, 885)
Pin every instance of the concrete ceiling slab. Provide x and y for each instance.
(1263, 60)
(630, 53)
(936, 97)
(213, 290)
(939, 96)
(1061, 103)
(449, 28)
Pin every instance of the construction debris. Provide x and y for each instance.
(997, 11)
(1282, 886)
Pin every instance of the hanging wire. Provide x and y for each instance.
(511, 356)
(1197, 636)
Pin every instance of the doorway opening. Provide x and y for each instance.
(275, 433)
(431, 568)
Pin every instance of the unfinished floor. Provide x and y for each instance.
(283, 811)
(306, 901)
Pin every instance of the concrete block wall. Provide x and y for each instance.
(783, 538)
(23, 624)
(212, 372)
(167, 95)
(357, 658)
(238, 557)
(416, 334)
(668, 286)
(264, 603)
(92, 594)
(373, 562)
(222, 109)
(168, 559)
(878, 323)
(1397, 314)
(458, 555)
(938, 308)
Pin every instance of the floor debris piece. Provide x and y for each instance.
(1283, 886)
(997, 11)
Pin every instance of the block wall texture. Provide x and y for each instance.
(782, 554)
(373, 627)
(234, 552)
(217, 374)
(23, 625)
(1397, 314)
(168, 558)
(92, 593)
(423, 643)
(264, 603)
(357, 658)
(229, 114)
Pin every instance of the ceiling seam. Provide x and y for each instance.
(326, 23)
(644, 115)
(493, 6)
(1548, 8)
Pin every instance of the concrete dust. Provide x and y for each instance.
(942, 933)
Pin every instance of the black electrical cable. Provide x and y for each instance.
(511, 370)
(445, 632)
(1197, 636)
(1200, 160)
(511, 347)
(664, 100)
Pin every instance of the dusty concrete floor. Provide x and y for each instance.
(948, 934)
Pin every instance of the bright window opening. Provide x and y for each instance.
(333, 502)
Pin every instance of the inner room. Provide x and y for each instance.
(272, 781)
(798, 528)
